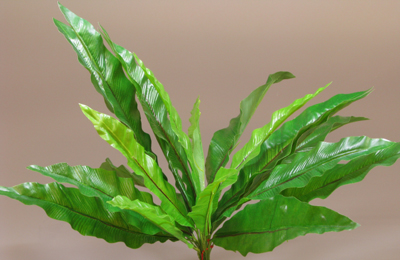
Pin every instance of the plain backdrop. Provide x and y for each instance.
(220, 51)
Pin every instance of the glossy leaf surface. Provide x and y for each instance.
(282, 143)
(224, 140)
(259, 136)
(314, 163)
(263, 226)
(122, 172)
(152, 213)
(156, 112)
(208, 199)
(106, 73)
(342, 174)
(121, 138)
(87, 215)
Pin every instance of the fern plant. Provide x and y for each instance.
(283, 166)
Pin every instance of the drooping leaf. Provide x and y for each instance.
(342, 174)
(261, 227)
(123, 172)
(103, 184)
(152, 213)
(121, 138)
(306, 165)
(197, 147)
(224, 140)
(152, 101)
(87, 215)
(282, 143)
(208, 199)
(106, 73)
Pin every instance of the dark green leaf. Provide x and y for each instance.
(122, 172)
(153, 102)
(282, 143)
(87, 215)
(342, 174)
(224, 140)
(314, 163)
(106, 73)
(261, 227)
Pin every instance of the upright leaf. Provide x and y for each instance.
(208, 199)
(224, 140)
(87, 215)
(106, 73)
(259, 136)
(121, 138)
(342, 174)
(153, 100)
(197, 147)
(261, 227)
(283, 142)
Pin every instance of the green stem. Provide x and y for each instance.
(205, 246)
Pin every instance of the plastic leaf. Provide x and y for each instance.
(224, 140)
(87, 215)
(261, 227)
(121, 138)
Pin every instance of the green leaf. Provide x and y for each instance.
(197, 147)
(342, 174)
(261, 227)
(318, 134)
(152, 213)
(122, 172)
(103, 184)
(283, 142)
(153, 101)
(87, 215)
(259, 136)
(121, 138)
(224, 140)
(94, 182)
(106, 73)
(306, 165)
(208, 199)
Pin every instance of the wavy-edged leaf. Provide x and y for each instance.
(197, 147)
(106, 73)
(314, 163)
(261, 227)
(156, 112)
(260, 135)
(123, 172)
(283, 142)
(152, 213)
(103, 184)
(87, 215)
(224, 140)
(94, 182)
(120, 137)
(318, 134)
(208, 199)
(342, 174)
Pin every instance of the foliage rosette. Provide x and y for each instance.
(284, 165)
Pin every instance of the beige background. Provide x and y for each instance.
(220, 50)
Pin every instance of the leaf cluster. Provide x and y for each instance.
(284, 165)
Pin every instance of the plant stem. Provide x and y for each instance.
(205, 247)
